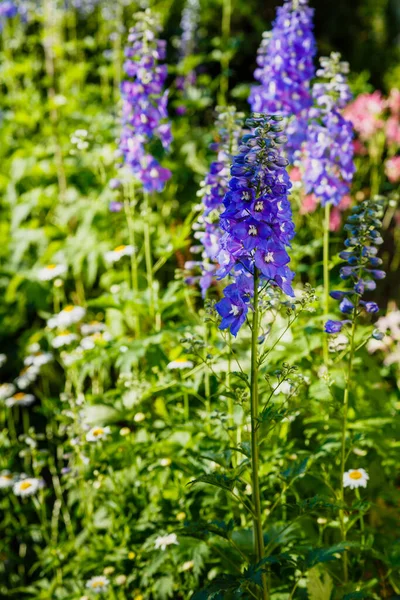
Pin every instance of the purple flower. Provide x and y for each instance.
(285, 68)
(334, 326)
(213, 190)
(144, 108)
(257, 221)
(328, 151)
(363, 227)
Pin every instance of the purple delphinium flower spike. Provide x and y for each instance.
(328, 151)
(285, 69)
(212, 192)
(144, 108)
(363, 229)
(257, 220)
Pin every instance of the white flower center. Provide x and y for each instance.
(246, 196)
(259, 205)
(153, 173)
(252, 230)
(234, 310)
(269, 257)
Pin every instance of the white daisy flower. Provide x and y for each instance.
(26, 487)
(98, 584)
(115, 255)
(20, 399)
(3, 359)
(165, 540)
(26, 377)
(50, 272)
(64, 339)
(355, 478)
(90, 341)
(6, 390)
(97, 433)
(180, 363)
(92, 327)
(7, 480)
(38, 359)
(70, 315)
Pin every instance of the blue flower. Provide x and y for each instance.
(285, 69)
(328, 151)
(144, 107)
(334, 326)
(257, 220)
(363, 227)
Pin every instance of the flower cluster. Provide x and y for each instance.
(257, 221)
(212, 192)
(363, 227)
(329, 165)
(285, 68)
(189, 24)
(144, 109)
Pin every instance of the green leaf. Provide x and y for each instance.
(319, 586)
(321, 555)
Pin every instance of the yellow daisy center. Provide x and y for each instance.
(119, 248)
(51, 267)
(355, 475)
(19, 396)
(25, 485)
(96, 584)
(69, 308)
(97, 431)
(8, 477)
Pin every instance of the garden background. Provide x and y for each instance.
(126, 462)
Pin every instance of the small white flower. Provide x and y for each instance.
(51, 272)
(139, 417)
(97, 433)
(98, 584)
(165, 462)
(64, 339)
(20, 399)
(26, 487)
(338, 343)
(3, 359)
(70, 315)
(355, 478)
(92, 327)
(38, 359)
(7, 480)
(6, 390)
(115, 255)
(90, 341)
(180, 363)
(284, 388)
(26, 377)
(165, 540)
(187, 566)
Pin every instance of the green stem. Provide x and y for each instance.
(362, 526)
(326, 277)
(254, 413)
(344, 433)
(147, 253)
(225, 31)
(133, 258)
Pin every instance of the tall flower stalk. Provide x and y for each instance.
(328, 151)
(257, 229)
(285, 68)
(363, 229)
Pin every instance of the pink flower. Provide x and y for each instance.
(308, 204)
(335, 219)
(393, 101)
(364, 113)
(345, 202)
(392, 169)
(295, 174)
(393, 130)
(359, 148)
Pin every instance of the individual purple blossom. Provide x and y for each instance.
(212, 192)
(285, 69)
(328, 151)
(257, 221)
(144, 108)
(363, 229)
